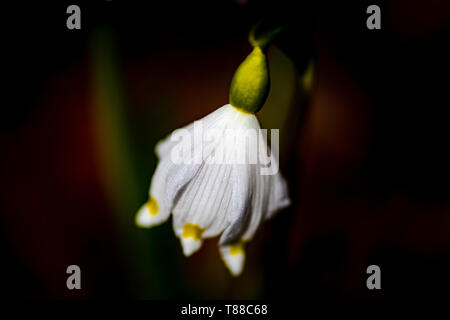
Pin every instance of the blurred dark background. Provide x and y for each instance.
(365, 154)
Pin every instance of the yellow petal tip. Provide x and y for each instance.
(152, 206)
(193, 231)
(234, 257)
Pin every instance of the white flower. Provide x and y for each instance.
(208, 198)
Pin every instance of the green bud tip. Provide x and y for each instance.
(264, 33)
(250, 84)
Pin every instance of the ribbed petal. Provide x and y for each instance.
(244, 182)
(202, 192)
(164, 147)
(234, 257)
(259, 203)
(279, 196)
(170, 178)
(157, 209)
(239, 211)
(261, 186)
(207, 198)
(190, 245)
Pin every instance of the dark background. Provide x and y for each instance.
(365, 155)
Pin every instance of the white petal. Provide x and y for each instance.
(219, 203)
(191, 238)
(250, 192)
(203, 196)
(240, 203)
(263, 185)
(234, 258)
(145, 218)
(184, 173)
(179, 178)
(164, 146)
(205, 200)
(190, 245)
(260, 201)
(158, 207)
(279, 196)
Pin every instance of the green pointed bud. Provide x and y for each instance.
(250, 83)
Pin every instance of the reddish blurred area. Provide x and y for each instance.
(54, 205)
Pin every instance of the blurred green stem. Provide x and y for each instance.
(117, 165)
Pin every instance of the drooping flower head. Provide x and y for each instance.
(210, 176)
